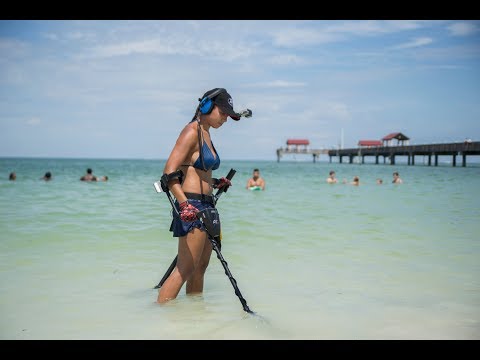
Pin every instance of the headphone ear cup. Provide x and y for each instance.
(206, 105)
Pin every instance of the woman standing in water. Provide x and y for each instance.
(188, 173)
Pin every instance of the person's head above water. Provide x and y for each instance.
(12, 176)
(89, 171)
(217, 97)
(256, 173)
(47, 176)
(396, 178)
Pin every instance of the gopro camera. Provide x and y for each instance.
(246, 113)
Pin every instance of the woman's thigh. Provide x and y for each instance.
(190, 249)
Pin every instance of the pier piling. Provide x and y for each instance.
(391, 152)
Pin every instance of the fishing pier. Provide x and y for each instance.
(300, 146)
(462, 149)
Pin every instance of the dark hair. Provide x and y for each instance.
(11, 176)
(106, 178)
(396, 173)
(48, 174)
(255, 170)
(331, 172)
(89, 171)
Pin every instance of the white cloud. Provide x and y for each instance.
(277, 84)
(333, 110)
(400, 25)
(327, 32)
(449, 53)
(50, 36)
(145, 47)
(378, 27)
(462, 28)
(421, 41)
(442, 67)
(370, 27)
(286, 59)
(33, 121)
(69, 36)
(78, 35)
(176, 46)
(10, 48)
(290, 37)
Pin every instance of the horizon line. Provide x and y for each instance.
(109, 158)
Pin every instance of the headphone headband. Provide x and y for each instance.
(206, 104)
(213, 94)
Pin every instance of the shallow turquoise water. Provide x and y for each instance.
(316, 261)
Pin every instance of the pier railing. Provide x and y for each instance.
(314, 152)
(453, 149)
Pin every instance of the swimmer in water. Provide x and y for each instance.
(256, 180)
(396, 178)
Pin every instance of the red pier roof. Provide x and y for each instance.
(298, 142)
(397, 135)
(370, 143)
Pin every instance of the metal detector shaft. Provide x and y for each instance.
(229, 274)
(219, 192)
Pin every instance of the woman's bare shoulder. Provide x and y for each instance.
(188, 133)
(189, 129)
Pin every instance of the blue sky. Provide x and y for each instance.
(125, 89)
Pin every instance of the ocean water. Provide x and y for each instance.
(314, 261)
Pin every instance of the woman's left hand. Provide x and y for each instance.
(220, 183)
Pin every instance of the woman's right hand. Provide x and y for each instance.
(188, 212)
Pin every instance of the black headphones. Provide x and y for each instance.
(206, 104)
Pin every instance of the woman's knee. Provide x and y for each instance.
(202, 266)
(186, 270)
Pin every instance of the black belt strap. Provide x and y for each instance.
(201, 197)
